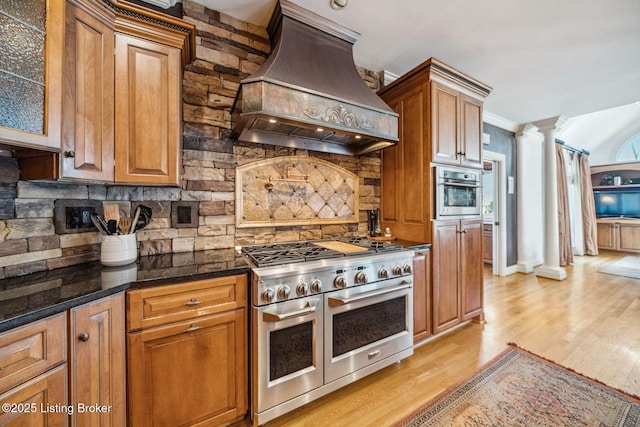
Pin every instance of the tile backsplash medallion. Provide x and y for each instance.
(227, 51)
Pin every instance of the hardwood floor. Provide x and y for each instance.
(589, 322)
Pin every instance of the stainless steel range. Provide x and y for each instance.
(324, 314)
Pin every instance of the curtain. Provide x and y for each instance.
(564, 222)
(588, 208)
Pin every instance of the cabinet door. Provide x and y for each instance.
(487, 244)
(628, 237)
(32, 349)
(444, 124)
(421, 295)
(470, 131)
(188, 373)
(97, 361)
(31, 91)
(148, 112)
(48, 390)
(471, 280)
(446, 294)
(405, 172)
(88, 131)
(606, 236)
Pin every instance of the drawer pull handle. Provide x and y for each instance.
(192, 328)
(83, 337)
(193, 301)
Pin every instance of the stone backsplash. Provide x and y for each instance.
(227, 50)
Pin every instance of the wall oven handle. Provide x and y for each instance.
(339, 301)
(277, 317)
(460, 184)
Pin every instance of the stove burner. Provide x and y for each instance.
(292, 252)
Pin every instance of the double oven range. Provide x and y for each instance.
(324, 314)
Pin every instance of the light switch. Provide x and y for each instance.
(511, 185)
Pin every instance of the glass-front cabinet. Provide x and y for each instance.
(31, 58)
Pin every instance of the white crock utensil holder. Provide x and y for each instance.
(118, 250)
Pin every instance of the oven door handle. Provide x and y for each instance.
(339, 301)
(309, 308)
(459, 184)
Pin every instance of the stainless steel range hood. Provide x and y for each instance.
(308, 94)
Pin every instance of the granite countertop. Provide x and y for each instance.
(32, 297)
(416, 246)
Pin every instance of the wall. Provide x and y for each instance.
(504, 142)
(227, 50)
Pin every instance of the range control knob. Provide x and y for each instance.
(406, 268)
(268, 295)
(339, 282)
(383, 273)
(284, 291)
(361, 278)
(397, 270)
(316, 286)
(302, 289)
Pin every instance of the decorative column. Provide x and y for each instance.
(551, 267)
(530, 198)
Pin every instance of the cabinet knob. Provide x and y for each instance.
(192, 328)
(83, 337)
(193, 301)
(70, 153)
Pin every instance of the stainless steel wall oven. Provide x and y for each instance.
(322, 318)
(458, 192)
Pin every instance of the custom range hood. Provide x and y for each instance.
(308, 94)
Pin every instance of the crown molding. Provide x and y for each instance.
(500, 122)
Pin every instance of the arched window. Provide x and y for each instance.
(630, 152)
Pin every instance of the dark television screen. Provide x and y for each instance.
(617, 203)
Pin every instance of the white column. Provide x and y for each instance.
(551, 267)
(530, 198)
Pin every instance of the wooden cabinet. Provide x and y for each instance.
(487, 244)
(49, 137)
(148, 112)
(88, 131)
(622, 235)
(457, 272)
(187, 353)
(97, 362)
(456, 127)
(42, 401)
(440, 121)
(422, 295)
(33, 372)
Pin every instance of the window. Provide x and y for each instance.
(630, 152)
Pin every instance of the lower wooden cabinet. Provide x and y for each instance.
(487, 244)
(193, 370)
(422, 295)
(619, 235)
(97, 362)
(40, 402)
(457, 272)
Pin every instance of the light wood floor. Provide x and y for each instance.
(589, 322)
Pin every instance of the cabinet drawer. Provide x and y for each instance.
(164, 304)
(32, 349)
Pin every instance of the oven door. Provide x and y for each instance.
(287, 351)
(366, 324)
(457, 199)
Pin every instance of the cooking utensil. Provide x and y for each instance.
(112, 212)
(134, 222)
(104, 227)
(97, 224)
(124, 225)
(112, 226)
(144, 218)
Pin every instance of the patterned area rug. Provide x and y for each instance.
(628, 266)
(518, 388)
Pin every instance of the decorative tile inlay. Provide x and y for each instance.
(295, 191)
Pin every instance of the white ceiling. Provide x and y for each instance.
(543, 58)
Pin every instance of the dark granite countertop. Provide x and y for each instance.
(416, 246)
(32, 297)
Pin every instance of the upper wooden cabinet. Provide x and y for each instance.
(88, 131)
(31, 90)
(440, 121)
(148, 112)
